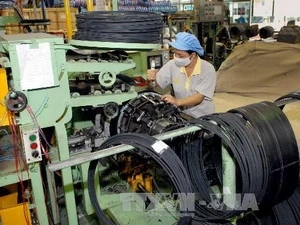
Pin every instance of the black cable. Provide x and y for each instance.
(162, 154)
(284, 213)
(288, 98)
(261, 141)
(273, 158)
(294, 202)
(227, 133)
(280, 147)
(117, 26)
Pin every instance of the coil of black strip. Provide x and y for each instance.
(165, 157)
(231, 129)
(263, 144)
(117, 26)
(280, 146)
(284, 213)
(288, 98)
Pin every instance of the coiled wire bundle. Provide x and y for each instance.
(162, 154)
(261, 141)
(286, 212)
(7, 4)
(115, 26)
(262, 144)
(288, 98)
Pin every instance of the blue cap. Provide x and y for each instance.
(186, 41)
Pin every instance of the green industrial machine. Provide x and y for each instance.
(67, 98)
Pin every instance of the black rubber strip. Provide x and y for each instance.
(115, 26)
(280, 147)
(262, 143)
(164, 156)
(287, 99)
(224, 128)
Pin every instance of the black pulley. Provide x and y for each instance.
(16, 101)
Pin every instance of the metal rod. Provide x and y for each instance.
(115, 150)
(229, 179)
(35, 12)
(68, 19)
(89, 5)
(114, 5)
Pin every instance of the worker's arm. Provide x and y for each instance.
(162, 76)
(192, 100)
(151, 77)
(151, 74)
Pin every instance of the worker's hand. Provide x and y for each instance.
(170, 99)
(151, 75)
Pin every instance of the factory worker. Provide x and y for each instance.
(193, 80)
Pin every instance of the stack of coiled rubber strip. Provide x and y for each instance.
(280, 146)
(162, 154)
(262, 143)
(285, 213)
(115, 26)
(260, 139)
(288, 98)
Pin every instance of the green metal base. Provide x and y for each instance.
(113, 45)
(137, 213)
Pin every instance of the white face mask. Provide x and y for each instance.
(182, 61)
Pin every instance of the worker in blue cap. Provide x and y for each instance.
(193, 79)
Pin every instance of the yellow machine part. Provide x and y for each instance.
(17, 214)
(140, 180)
(3, 92)
(149, 183)
(12, 213)
(8, 200)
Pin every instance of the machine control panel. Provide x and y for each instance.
(32, 145)
(211, 10)
(156, 59)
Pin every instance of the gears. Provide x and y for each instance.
(147, 113)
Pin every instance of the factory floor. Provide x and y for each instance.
(83, 218)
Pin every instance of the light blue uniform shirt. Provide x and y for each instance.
(202, 80)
